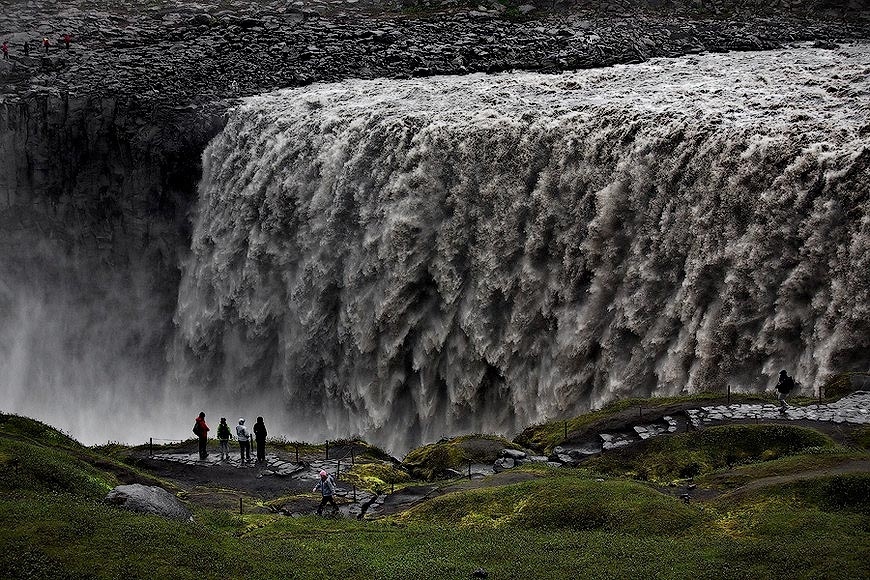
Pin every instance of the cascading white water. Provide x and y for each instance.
(405, 259)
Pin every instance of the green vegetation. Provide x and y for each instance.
(432, 461)
(376, 476)
(664, 459)
(559, 524)
(809, 461)
(861, 437)
(562, 502)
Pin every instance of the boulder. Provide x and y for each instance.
(148, 500)
(513, 454)
(503, 463)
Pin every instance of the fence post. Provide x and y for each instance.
(327, 448)
(640, 410)
(729, 393)
(150, 446)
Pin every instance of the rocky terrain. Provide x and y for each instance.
(183, 52)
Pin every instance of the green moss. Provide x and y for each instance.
(376, 476)
(807, 461)
(665, 459)
(861, 437)
(562, 503)
(432, 461)
(33, 467)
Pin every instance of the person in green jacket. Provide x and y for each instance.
(223, 434)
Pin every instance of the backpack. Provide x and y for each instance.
(196, 430)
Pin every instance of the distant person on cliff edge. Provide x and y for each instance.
(244, 440)
(326, 487)
(260, 435)
(784, 386)
(66, 40)
(45, 44)
(5, 49)
(200, 429)
(224, 436)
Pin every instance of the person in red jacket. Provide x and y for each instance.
(66, 40)
(200, 428)
(5, 50)
(45, 43)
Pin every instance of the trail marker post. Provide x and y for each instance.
(327, 448)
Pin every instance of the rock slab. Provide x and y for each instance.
(148, 500)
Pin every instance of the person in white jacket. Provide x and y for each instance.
(326, 486)
(244, 440)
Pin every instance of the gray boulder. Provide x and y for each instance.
(513, 454)
(148, 500)
(502, 464)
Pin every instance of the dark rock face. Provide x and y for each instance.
(148, 500)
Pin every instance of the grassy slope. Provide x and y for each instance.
(563, 525)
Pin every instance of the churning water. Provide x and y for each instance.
(405, 259)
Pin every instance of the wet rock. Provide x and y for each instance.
(148, 500)
(503, 464)
(514, 454)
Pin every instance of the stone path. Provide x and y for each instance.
(273, 465)
(853, 409)
(351, 501)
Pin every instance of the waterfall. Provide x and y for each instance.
(406, 259)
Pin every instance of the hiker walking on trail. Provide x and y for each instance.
(5, 49)
(200, 429)
(223, 434)
(260, 435)
(784, 386)
(326, 486)
(244, 440)
(45, 43)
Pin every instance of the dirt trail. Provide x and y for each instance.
(851, 466)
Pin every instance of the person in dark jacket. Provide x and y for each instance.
(260, 436)
(784, 386)
(224, 436)
(200, 428)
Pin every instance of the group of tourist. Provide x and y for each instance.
(326, 485)
(244, 437)
(46, 44)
